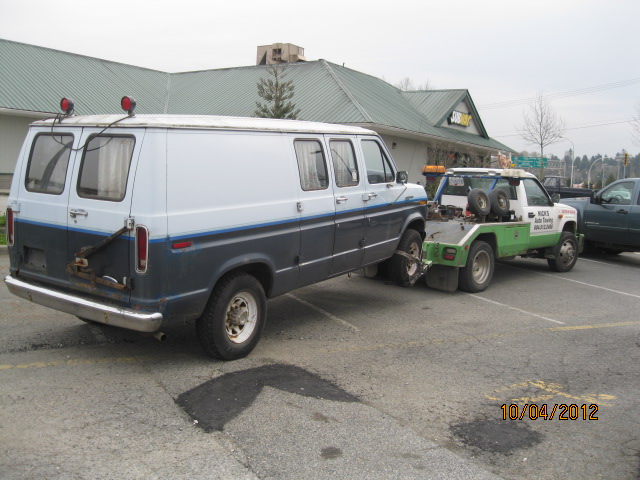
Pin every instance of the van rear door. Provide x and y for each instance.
(99, 246)
(41, 189)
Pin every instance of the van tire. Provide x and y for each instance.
(477, 273)
(479, 202)
(565, 253)
(403, 270)
(233, 320)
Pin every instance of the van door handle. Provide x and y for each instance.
(341, 199)
(75, 212)
(531, 214)
(368, 196)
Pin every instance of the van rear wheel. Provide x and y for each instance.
(234, 317)
(404, 268)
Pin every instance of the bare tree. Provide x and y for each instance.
(542, 126)
(277, 94)
(406, 85)
(635, 125)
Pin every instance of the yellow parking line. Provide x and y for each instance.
(587, 327)
(77, 361)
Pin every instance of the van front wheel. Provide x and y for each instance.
(405, 265)
(234, 317)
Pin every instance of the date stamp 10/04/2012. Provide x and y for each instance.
(562, 411)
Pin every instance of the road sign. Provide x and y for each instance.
(530, 162)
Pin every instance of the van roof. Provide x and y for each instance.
(206, 122)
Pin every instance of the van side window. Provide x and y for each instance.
(105, 167)
(378, 166)
(344, 163)
(47, 169)
(311, 165)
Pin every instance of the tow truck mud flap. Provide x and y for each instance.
(442, 278)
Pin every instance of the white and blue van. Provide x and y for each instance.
(137, 220)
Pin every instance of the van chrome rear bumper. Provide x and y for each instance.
(88, 309)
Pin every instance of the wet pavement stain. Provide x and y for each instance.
(329, 453)
(499, 436)
(220, 400)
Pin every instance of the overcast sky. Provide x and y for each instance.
(582, 52)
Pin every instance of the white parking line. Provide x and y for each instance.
(514, 308)
(324, 312)
(617, 265)
(591, 285)
(578, 281)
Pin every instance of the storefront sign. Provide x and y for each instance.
(459, 118)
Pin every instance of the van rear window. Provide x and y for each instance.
(105, 167)
(48, 161)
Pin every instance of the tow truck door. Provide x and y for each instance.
(99, 206)
(540, 212)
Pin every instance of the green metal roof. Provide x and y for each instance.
(35, 78)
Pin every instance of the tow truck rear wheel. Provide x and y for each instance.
(565, 253)
(476, 275)
(405, 269)
(234, 317)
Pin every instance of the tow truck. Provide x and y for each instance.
(479, 215)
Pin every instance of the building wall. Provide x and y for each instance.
(13, 130)
(409, 155)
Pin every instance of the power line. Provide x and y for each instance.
(559, 95)
(572, 128)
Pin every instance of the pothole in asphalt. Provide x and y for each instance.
(220, 400)
(499, 436)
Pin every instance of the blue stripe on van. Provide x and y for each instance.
(227, 230)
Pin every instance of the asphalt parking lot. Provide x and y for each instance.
(353, 378)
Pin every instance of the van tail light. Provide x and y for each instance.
(10, 227)
(142, 248)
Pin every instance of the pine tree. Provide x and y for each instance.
(277, 94)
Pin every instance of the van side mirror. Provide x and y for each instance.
(555, 197)
(597, 199)
(402, 177)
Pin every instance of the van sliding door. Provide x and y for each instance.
(317, 210)
(348, 187)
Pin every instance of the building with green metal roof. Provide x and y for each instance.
(419, 127)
